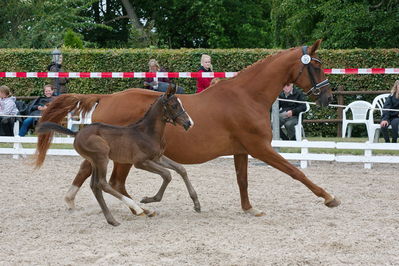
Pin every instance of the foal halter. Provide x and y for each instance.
(168, 117)
(306, 59)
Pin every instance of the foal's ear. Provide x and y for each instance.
(171, 90)
(315, 46)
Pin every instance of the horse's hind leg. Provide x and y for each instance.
(84, 172)
(168, 163)
(271, 157)
(155, 167)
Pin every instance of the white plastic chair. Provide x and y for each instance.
(71, 120)
(377, 106)
(359, 110)
(299, 131)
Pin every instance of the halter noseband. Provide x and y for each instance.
(168, 118)
(306, 59)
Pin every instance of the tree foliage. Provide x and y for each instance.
(201, 23)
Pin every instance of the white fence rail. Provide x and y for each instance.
(304, 156)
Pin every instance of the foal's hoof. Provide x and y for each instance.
(148, 200)
(113, 223)
(197, 209)
(334, 202)
(255, 212)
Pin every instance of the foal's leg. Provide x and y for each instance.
(102, 172)
(84, 172)
(117, 182)
(96, 187)
(241, 166)
(264, 152)
(155, 167)
(168, 163)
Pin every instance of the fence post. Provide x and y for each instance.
(276, 122)
(304, 152)
(340, 101)
(16, 145)
(368, 154)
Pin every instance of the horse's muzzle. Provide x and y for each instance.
(187, 125)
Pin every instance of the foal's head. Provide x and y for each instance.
(309, 75)
(173, 109)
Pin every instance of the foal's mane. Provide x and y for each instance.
(149, 109)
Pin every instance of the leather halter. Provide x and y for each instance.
(168, 117)
(306, 59)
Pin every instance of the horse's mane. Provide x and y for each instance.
(267, 60)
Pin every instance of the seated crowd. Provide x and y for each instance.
(9, 107)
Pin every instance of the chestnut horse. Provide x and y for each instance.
(141, 144)
(231, 118)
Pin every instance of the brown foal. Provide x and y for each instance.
(141, 144)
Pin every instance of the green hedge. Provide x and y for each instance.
(187, 60)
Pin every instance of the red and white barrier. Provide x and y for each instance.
(176, 74)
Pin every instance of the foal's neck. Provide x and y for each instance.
(153, 122)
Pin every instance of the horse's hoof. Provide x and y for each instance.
(334, 202)
(150, 213)
(141, 214)
(70, 203)
(197, 209)
(255, 212)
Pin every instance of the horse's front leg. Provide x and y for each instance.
(263, 151)
(241, 166)
(168, 163)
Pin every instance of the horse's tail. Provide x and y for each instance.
(47, 127)
(56, 111)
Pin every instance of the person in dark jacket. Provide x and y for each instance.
(35, 108)
(59, 84)
(289, 111)
(391, 117)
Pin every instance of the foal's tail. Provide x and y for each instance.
(56, 112)
(47, 127)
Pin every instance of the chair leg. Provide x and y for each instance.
(377, 135)
(298, 132)
(349, 131)
(344, 126)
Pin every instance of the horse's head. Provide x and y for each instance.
(173, 109)
(314, 82)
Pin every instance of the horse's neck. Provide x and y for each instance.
(264, 80)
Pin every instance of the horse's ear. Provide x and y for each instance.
(171, 90)
(315, 46)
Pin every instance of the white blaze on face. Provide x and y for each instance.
(191, 121)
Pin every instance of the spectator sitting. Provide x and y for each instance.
(206, 66)
(158, 84)
(391, 117)
(7, 107)
(289, 111)
(35, 109)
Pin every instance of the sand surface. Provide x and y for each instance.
(37, 229)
